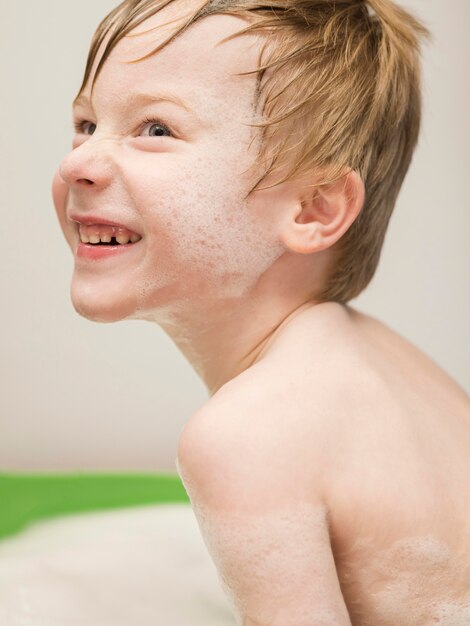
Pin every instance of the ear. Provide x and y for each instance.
(321, 215)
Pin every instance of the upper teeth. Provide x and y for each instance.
(102, 232)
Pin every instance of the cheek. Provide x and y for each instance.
(212, 232)
(59, 195)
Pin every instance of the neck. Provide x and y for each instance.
(230, 342)
(222, 337)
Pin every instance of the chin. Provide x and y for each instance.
(101, 306)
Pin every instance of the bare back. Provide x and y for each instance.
(398, 475)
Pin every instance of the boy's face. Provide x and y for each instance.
(181, 191)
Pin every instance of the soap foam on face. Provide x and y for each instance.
(210, 243)
(203, 240)
(452, 614)
(205, 243)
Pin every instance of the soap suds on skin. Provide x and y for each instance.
(111, 568)
(275, 565)
(412, 572)
(210, 230)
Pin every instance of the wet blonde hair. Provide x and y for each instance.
(343, 93)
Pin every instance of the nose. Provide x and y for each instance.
(88, 165)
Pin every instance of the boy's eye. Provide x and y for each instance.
(155, 128)
(80, 126)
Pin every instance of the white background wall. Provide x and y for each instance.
(79, 395)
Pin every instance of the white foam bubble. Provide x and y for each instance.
(452, 614)
(415, 581)
(276, 564)
(113, 568)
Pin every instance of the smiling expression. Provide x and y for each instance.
(164, 150)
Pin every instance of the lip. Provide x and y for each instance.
(90, 220)
(96, 252)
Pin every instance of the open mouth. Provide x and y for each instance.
(113, 242)
(106, 235)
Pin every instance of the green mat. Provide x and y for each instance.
(25, 498)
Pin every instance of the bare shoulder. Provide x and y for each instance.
(337, 393)
(333, 379)
(312, 366)
(253, 436)
(345, 418)
(291, 408)
(245, 459)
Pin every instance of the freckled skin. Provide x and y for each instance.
(211, 265)
(160, 185)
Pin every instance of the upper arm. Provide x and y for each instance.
(264, 524)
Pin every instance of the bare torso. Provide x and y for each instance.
(397, 482)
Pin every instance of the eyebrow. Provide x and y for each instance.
(143, 99)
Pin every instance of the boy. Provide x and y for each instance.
(328, 470)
